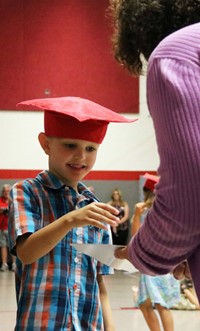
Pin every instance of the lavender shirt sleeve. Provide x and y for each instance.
(171, 231)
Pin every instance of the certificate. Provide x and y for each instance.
(105, 254)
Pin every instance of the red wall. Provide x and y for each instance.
(93, 175)
(61, 47)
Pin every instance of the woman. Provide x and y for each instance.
(163, 32)
(120, 233)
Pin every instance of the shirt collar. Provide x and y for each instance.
(49, 180)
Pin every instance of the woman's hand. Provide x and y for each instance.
(182, 271)
(122, 253)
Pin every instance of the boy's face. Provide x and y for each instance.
(69, 159)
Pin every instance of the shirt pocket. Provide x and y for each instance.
(95, 235)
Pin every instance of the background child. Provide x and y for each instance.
(160, 292)
(188, 299)
(57, 287)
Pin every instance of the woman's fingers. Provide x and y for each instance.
(121, 253)
(178, 272)
(182, 271)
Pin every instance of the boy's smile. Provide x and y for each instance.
(69, 159)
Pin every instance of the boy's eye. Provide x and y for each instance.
(90, 149)
(74, 146)
(70, 145)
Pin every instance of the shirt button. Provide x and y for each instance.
(76, 260)
(75, 287)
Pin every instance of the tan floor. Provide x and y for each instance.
(120, 293)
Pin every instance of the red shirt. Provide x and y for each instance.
(3, 218)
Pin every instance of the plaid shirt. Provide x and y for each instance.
(60, 290)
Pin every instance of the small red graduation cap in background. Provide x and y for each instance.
(150, 182)
(74, 117)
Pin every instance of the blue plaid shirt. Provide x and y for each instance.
(60, 290)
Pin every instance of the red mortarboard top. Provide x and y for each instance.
(74, 117)
(150, 182)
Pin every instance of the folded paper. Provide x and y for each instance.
(105, 254)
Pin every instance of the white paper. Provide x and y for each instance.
(105, 254)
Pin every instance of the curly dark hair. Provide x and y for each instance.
(139, 26)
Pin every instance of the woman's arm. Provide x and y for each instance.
(139, 209)
(122, 253)
(126, 214)
(107, 313)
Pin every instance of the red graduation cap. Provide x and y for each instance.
(151, 181)
(74, 117)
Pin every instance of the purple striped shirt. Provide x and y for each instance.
(171, 231)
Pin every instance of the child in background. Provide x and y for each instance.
(188, 290)
(160, 292)
(57, 287)
(188, 299)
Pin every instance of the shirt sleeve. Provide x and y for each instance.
(24, 215)
(171, 232)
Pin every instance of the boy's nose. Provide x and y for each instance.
(79, 155)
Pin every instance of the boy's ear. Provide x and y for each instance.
(44, 142)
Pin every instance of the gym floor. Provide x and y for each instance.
(119, 287)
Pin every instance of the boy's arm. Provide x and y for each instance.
(107, 313)
(32, 246)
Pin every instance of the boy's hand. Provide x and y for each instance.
(140, 208)
(32, 246)
(95, 214)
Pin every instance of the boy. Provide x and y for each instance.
(57, 287)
